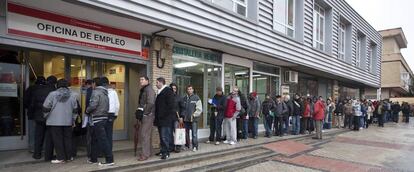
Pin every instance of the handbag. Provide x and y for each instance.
(179, 135)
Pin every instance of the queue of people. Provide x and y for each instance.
(234, 117)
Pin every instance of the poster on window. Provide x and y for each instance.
(285, 89)
(8, 90)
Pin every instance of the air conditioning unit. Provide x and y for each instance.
(291, 76)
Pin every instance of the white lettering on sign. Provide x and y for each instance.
(29, 22)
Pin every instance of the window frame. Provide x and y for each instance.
(286, 17)
(234, 8)
(370, 56)
(342, 41)
(317, 16)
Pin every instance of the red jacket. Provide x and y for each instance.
(231, 108)
(307, 111)
(319, 113)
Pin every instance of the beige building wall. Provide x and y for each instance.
(390, 46)
(391, 74)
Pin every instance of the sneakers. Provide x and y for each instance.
(208, 142)
(57, 161)
(232, 143)
(165, 157)
(106, 164)
(195, 149)
(90, 162)
(225, 141)
(217, 143)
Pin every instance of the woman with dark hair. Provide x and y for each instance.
(60, 108)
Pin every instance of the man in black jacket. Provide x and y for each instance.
(164, 115)
(217, 115)
(35, 103)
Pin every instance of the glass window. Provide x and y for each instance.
(284, 16)
(318, 27)
(10, 95)
(266, 68)
(263, 84)
(46, 64)
(237, 6)
(115, 72)
(203, 77)
(341, 41)
(236, 76)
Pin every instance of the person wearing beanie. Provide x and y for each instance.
(60, 111)
(253, 116)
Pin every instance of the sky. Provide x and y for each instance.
(386, 14)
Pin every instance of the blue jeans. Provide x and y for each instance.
(100, 142)
(245, 128)
(255, 122)
(268, 125)
(296, 124)
(194, 129)
(362, 121)
(165, 139)
(215, 128)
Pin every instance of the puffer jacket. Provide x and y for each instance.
(98, 105)
(60, 108)
(319, 113)
(191, 108)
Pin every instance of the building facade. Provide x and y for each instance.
(396, 75)
(307, 47)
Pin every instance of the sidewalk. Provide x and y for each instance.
(123, 155)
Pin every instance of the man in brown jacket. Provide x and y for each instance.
(348, 114)
(145, 117)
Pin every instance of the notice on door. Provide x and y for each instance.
(34, 23)
(8, 90)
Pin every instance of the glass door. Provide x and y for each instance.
(12, 123)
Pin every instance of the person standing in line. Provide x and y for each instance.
(165, 113)
(253, 115)
(242, 115)
(370, 112)
(51, 82)
(381, 111)
(178, 120)
(268, 108)
(98, 110)
(339, 115)
(113, 109)
(216, 118)
(348, 114)
(233, 107)
(145, 116)
(406, 112)
(38, 95)
(319, 116)
(60, 108)
(306, 116)
(364, 113)
(396, 111)
(356, 106)
(281, 110)
(90, 85)
(191, 111)
(297, 113)
(288, 114)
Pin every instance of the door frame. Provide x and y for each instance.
(243, 62)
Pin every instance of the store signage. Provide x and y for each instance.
(8, 90)
(197, 53)
(34, 23)
(285, 90)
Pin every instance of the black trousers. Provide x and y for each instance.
(40, 132)
(62, 140)
(278, 125)
(100, 142)
(407, 118)
(215, 128)
(109, 128)
(381, 120)
(356, 122)
(48, 144)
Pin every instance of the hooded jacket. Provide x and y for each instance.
(254, 106)
(60, 108)
(98, 105)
